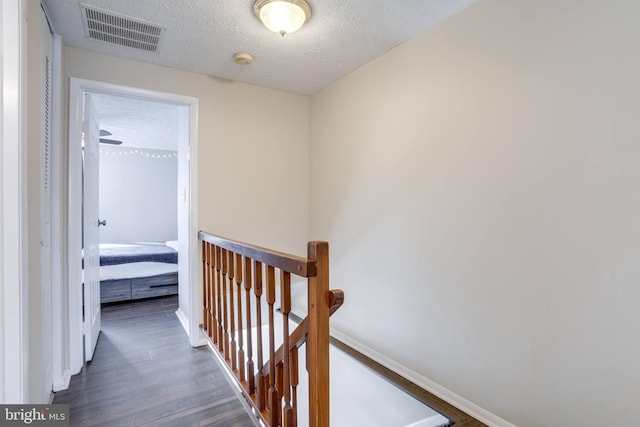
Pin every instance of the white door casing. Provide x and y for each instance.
(13, 216)
(90, 223)
(59, 315)
(189, 313)
(74, 228)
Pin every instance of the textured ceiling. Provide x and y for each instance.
(203, 35)
(138, 123)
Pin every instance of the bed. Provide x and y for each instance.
(139, 270)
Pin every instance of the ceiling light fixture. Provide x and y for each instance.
(282, 16)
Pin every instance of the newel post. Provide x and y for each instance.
(318, 338)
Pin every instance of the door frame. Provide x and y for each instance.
(14, 300)
(77, 88)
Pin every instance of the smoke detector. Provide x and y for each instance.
(243, 58)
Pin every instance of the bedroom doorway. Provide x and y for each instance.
(181, 115)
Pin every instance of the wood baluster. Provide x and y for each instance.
(239, 314)
(273, 393)
(279, 379)
(251, 384)
(213, 333)
(262, 391)
(225, 313)
(211, 274)
(205, 277)
(295, 380)
(218, 256)
(212, 292)
(285, 307)
(232, 314)
(279, 388)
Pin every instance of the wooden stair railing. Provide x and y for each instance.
(299, 336)
(238, 285)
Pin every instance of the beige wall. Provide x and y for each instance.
(479, 188)
(252, 148)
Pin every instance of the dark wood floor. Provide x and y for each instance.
(144, 373)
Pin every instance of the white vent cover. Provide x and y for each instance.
(120, 29)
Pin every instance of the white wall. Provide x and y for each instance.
(479, 189)
(138, 195)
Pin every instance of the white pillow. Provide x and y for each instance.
(173, 244)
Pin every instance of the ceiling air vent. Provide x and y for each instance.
(120, 29)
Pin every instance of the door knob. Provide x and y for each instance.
(103, 222)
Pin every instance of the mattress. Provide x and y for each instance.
(135, 270)
(114, 254)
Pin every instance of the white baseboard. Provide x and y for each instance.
(431, 386)
(426, 422)
(183, 320)
(62, 383)
(200, 341)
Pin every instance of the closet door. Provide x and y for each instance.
(45, 187)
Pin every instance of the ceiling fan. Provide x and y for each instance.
(107, 140)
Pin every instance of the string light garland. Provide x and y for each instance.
(142, 153)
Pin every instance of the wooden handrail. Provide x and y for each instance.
(299, 266)
(268, 375)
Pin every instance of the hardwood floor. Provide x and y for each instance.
(144, 373)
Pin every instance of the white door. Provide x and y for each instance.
(90, 223)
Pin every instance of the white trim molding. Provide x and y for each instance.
(431, 386)
(195, 296)
(74, 238)
(77, 87)
(59, 314)
(13, 222)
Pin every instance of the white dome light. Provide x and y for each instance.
(282, 16)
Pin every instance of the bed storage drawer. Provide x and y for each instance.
(147, 287)
(115, 290)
